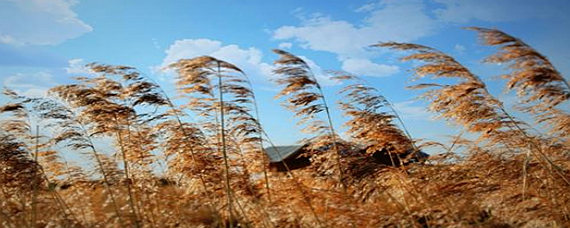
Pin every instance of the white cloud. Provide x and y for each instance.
(248, 59)
(405, 21)
(26, 80)
(323, 34)
(409, 111)
(459, 48)
(388, 20)
(35, 92)
(77, 66)
(322, 77)
(366, 7)
(285, 45)
(32, 85)
(7, 39)
(189, 48)
(366, 67)
(39, 22)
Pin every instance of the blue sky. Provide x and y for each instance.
(45, 42)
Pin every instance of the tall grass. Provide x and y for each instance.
(152, 163)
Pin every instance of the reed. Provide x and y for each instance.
(147, 161)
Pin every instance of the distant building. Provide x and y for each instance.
(294, 156)
(384, 156)
(298, 156)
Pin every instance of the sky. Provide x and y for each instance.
(44, 43)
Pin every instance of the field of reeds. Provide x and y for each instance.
(202, 164)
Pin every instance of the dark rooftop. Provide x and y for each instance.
(280, 153)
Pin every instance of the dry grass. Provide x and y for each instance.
(162, 167)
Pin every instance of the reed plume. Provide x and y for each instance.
(306, 99)
(119, 103)
(154, 165)
(219, 93)
(372, 118)
(468, 102)
(48, 167)
(542, 88)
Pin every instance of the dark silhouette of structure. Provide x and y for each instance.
(299, 156)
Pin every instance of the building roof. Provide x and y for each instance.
(280, 153)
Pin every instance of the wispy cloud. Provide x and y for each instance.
(460, 49)
(385, 21)
(403, 21)
(32, 85)
(366, 67)
(409, 110)
(285, 45)
(249, 59)
(45, 22)
(77, 66)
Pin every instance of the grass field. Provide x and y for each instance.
(201, 164)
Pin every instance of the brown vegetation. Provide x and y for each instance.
(169, 168)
